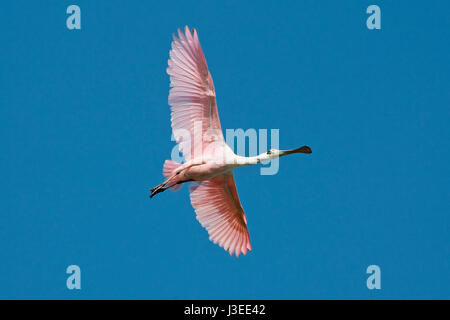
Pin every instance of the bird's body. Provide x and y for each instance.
(209, 160)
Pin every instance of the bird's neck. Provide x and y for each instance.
(247, 161)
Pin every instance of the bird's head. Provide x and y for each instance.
(275, 153)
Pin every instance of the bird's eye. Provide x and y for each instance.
(269, 152)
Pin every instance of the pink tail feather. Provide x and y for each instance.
(168, 170)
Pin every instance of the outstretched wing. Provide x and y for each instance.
(195, 120)
(219, 210)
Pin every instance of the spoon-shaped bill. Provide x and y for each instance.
(304, 149)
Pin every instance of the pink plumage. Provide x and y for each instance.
(219, 211)
(209, 161)
(192, 96)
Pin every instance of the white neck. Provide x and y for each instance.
(247, 161)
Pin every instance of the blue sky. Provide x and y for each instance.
(85, 131)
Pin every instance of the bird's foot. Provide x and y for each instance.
(159, 188)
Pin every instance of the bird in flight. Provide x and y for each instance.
(209, 161)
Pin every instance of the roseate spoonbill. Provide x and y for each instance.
(209, 160)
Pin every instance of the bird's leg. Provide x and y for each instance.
(162, 186)
(165, 185)
(157, 187)
(157, 190)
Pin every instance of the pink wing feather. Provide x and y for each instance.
(193, 99)
(219, 210)
(192, 96)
